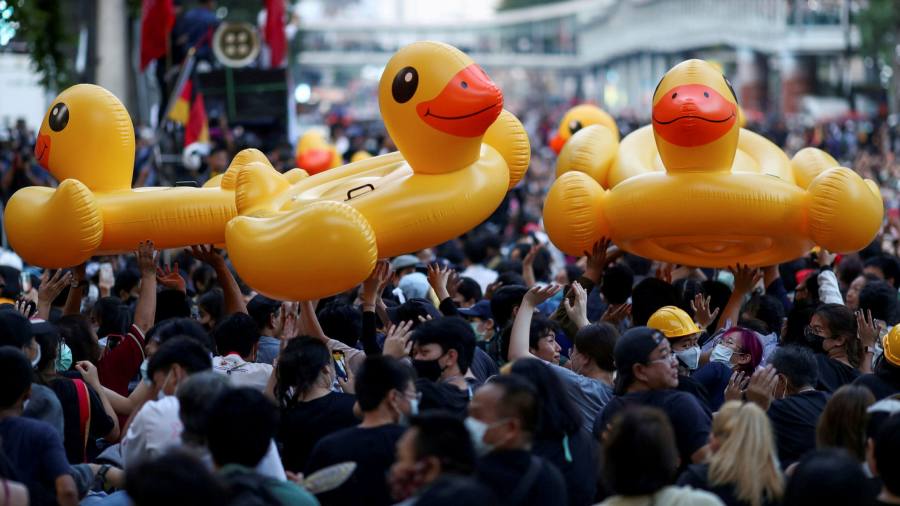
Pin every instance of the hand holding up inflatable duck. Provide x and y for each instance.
(696, 189)
(459, 153)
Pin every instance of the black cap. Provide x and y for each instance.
(15, 329)
(634, 347)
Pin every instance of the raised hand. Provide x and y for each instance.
(170, 277)
(616, 313)
(702, 314)
(492, 289)
(868, 331)
(761, 388)
(736, 385)
(745, 278)
(438, 277)
(577, 310)
(538, 294)
(146, 258)
(207, 253)
(528, 264)
(26, 307)
(396, 342)
(374, 284)
(51, 287)
(88, 372)
(825, 258)
(664, 272)
(596, 260)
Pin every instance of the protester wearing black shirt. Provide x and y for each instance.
(386, 395)
(647, 376)
(503, 418)
(442, 352)
(310, 410)
(832, 333)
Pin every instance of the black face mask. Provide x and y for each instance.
(815, 341)
(428, 369)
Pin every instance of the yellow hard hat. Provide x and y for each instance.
(673, 322)
(891, 344)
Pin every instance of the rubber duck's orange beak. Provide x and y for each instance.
(314, 160)
(693, 115)
(467, 105)
(557, 143)
(42, 150)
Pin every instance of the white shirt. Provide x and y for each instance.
(243, 373)
(157, 427)
(481, 274)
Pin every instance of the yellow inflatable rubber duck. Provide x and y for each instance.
(86, 141)
(695, 189)
(459, 153)
(578, 117)
(315, 154)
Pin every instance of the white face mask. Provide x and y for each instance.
(690, 357)
(144, 375)
(721, 353)
(477, 429)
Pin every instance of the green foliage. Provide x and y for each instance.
(879, 24)
(42, 27)
(518, 4)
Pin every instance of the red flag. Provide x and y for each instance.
(157, 19)
(274, 32)
(197, 128)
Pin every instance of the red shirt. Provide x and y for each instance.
(121, 360)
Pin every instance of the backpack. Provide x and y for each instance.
(250, 489)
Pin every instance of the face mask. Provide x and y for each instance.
(721, 353)
(479, 335)
(64, 360)
(815, 341)
(144, 376)
(37, 356)
(428, 369)
(477, 429)
(690, 357)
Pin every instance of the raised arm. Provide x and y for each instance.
(89, 373)
(370, 295)
(145, 310)
(51, 287)
(518, 339)
(76, 290)
(208, 254)
(745, 279)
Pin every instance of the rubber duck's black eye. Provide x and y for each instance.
(706, 94)
(405, 83)
(674, 95)
(574, 126)
(464, 84)
(59, 117)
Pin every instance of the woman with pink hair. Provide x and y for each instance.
(737, 350)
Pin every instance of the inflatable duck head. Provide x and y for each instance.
(87, 135)
(577, 118)
(695, 118)
(315, 154)
(437, 104)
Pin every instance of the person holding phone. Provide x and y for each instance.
(310, 408)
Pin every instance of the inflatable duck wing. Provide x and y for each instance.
(705, 192)
(86, 141)
(459, 153)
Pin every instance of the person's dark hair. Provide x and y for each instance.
(469, 289)
(519, 400)
(184, 351)
(196, 397)
(811, 282)
(597, 341)
(171, 303)
(768, 310)
(376, 378)
(880, 298)
(573, 272)
(648, 296)
(510, 278)
(126, 281)
(204, 279)
(185, 327)
(76, 331)
(617, 283)
(112, 316)
(887, 454)
(888, 372)
(797, 364)
(412, 309)
(842, 322)
(341, 321)
(843, 423)
(444, 437)
(475, 249)
(15, 330)
(829, 476)
(176, 478)
(797, 320)
(504, 301)
(299, 366)
(640, 456)
(236, 333)
(450, 334)
(541, 326)
(213, 302)
(542, 261)
(241, 424)
(261, 309)
(718, 294)
(687, 289)
(47, 337)
(640, 266)
(850, 268)
(16, 374)
(888, 265)
(559, 416)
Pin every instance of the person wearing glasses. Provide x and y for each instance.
(647, 376)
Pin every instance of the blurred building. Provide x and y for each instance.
(783, 56)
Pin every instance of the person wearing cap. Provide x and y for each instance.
(401, 266)
(884, 381)
(647, 376)
(482, 321)
(683, 335)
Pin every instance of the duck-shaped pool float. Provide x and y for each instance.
(578, 117)
(695, 189)
(86, 141)
(459, 153)
(315, 154)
